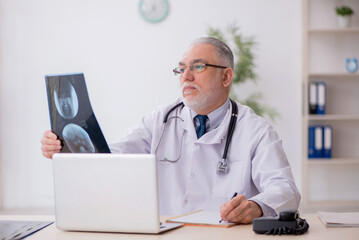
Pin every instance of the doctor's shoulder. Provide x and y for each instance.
(249, 120)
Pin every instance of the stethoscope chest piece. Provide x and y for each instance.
(222, 167)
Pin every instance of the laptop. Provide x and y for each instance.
(107, 193)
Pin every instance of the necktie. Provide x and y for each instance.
(201, 129)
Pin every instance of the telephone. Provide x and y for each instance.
(287, 223)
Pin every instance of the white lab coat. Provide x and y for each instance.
(258, 167)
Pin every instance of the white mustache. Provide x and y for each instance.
(188, 84)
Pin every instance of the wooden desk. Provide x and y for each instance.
(316, 231)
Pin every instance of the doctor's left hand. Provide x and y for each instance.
(240, 210)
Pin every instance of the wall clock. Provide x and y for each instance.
(154, 10)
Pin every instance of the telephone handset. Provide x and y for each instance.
(287, 223)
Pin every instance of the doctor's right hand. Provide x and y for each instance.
(50, 144)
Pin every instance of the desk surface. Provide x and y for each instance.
(316, 231)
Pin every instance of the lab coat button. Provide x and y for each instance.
(192, 174)
(185, 201)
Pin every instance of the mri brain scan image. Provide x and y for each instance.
(66, 100)
(77, 139)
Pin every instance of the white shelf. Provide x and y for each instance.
(333, 117)
(333, 206)
(332, 161)
(337, 75)
(334, 30)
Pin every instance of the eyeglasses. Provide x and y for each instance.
(197, 67)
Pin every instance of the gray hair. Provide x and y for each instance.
(223, 51)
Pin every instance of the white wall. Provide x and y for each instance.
(127, 64)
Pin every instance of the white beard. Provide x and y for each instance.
(200, 101)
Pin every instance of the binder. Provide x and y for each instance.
(312, 98)
(321, 97)
(327, 141)
(318, 142)
(311, 141)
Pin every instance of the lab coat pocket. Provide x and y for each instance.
(225, 185)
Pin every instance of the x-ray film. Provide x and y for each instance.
(71, 115)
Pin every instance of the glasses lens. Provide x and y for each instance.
(199, 67)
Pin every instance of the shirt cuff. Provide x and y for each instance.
(267, 211)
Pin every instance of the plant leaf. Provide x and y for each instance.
(244, 66)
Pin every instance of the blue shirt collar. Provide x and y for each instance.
(215, 117)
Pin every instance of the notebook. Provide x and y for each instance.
(107, 193)
(339, 219)
(202, 218)
(14, 230)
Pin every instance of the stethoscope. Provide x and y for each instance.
(222, 166)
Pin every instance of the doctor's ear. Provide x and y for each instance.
(227, 77)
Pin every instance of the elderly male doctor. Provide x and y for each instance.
(191, 143)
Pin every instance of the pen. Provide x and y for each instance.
(234, 195)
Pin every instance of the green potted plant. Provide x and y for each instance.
(244, 67)
(344, 13)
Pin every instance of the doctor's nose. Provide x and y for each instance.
(187, 75)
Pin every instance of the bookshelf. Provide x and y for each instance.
(331, 184)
